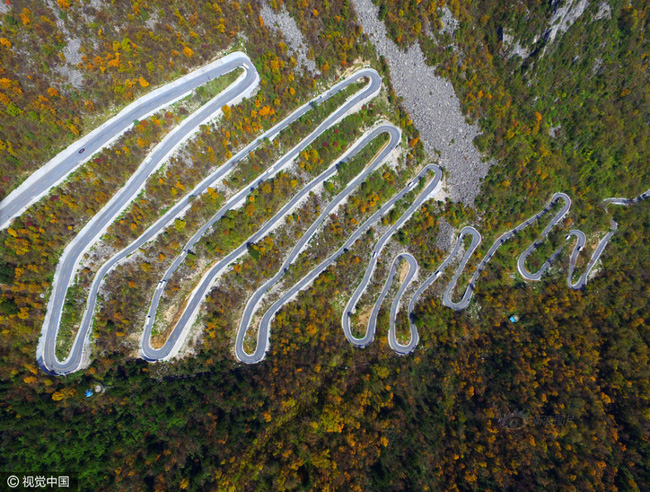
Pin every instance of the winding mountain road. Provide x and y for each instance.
(395, 136)
(46, 352)
(403, 349)
(58, 168)
(198, 294)
(399, 348)
(97, 226)
(306, 281)
(431, 189)
(180, 330)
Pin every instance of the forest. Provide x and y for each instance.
(558, 399)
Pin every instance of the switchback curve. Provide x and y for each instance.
(403, 349)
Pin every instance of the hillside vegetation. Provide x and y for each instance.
(558, 399)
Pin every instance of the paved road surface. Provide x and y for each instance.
(306, 281)
(476, 238)
(547, 264)
(431, 189)
(396, 345)
(46, 353)
(395, 136)
(55, 171)
(179, 332)
(66, 269)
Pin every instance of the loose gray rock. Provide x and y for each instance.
(433, 107)
(445, 239)
(285, 24)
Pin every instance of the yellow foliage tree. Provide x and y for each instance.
(265, 111)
